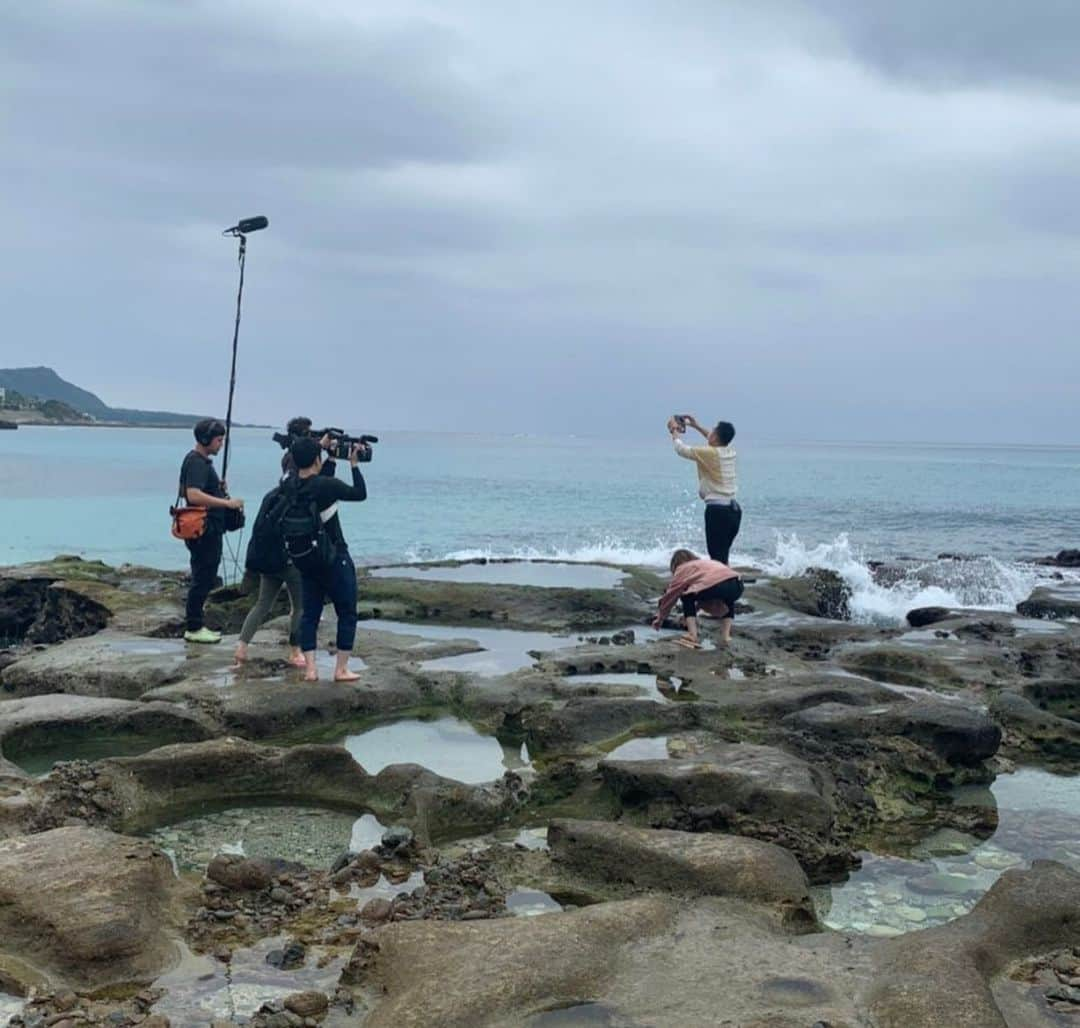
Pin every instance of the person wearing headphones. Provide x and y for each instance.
(201, 487)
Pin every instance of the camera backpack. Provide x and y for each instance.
(304, 534)
(266, 549)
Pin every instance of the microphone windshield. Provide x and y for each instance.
(252, 224)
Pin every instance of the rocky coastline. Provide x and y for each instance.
(183, 842)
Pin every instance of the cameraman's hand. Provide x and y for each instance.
(354, 453)
(234, 504)
(326, 442)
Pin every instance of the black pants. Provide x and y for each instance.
(722, 523)
(338, 584)
(205, 558)
(727, 592)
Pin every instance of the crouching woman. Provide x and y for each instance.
(700, 583)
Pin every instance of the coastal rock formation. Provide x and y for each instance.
(136, 793)
(819, 592)
(1063, 559)
(36, 610)
(923, 616)
(86, 909)
(681, 862)
(1025, 913)
(756, 791)
(499, 971)
(687, 799)
(1061, 601)
(656, 961)
(104, 665)
(957, 734)
(55, 723)
(1029, 731)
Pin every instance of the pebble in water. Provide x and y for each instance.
(889, 895)
(305, 835)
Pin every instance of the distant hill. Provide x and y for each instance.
(46, 384)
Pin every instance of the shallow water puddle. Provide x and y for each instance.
(202, 990)
(382, 889)
(545, 575)
(502, 649)
(531, 838)
(1039, 818)
(581, 1015)
(149, 647)
(530, 902)
(90, 748)
(324, 664)
(367, 833)
(10, 1006)
(655, 748)
(306, 835)
(653, 687)
(447, 746)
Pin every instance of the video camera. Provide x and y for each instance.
(340, 442)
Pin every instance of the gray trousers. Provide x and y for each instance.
(269, 587)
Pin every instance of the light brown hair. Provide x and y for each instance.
(680, 557)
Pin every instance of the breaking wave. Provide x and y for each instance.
(884, 593)
(604, 551)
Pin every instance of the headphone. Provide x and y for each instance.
(207, 431)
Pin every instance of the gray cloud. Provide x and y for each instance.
(487, 214)
(962, 41)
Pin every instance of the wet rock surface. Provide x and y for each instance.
(682, 862)
(86, 908)
(306, 863)
(1052, 602)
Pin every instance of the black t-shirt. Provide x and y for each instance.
(326, 491)
(198, 472)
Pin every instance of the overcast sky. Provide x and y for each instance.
(834, 219)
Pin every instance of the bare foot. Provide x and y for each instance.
(346, 676)
(311, 676)
(298, 661)
(688, 643)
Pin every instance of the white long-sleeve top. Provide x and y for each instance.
(715, 469)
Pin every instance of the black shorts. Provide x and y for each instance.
(727, 592)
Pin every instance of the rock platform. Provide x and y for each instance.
(675, 810)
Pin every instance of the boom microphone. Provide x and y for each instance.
(246, 225)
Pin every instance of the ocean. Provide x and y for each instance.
(104, 493)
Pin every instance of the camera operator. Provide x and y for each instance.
(201, 487)
(297, 428)
(337, 581)
(268, 558)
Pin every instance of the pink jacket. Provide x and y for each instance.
(693, 577)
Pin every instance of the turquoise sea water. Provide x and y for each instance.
(105, 493)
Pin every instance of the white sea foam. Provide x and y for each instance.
(604, 551)
(984, 583)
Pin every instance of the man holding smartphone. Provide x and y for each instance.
(716, 480)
